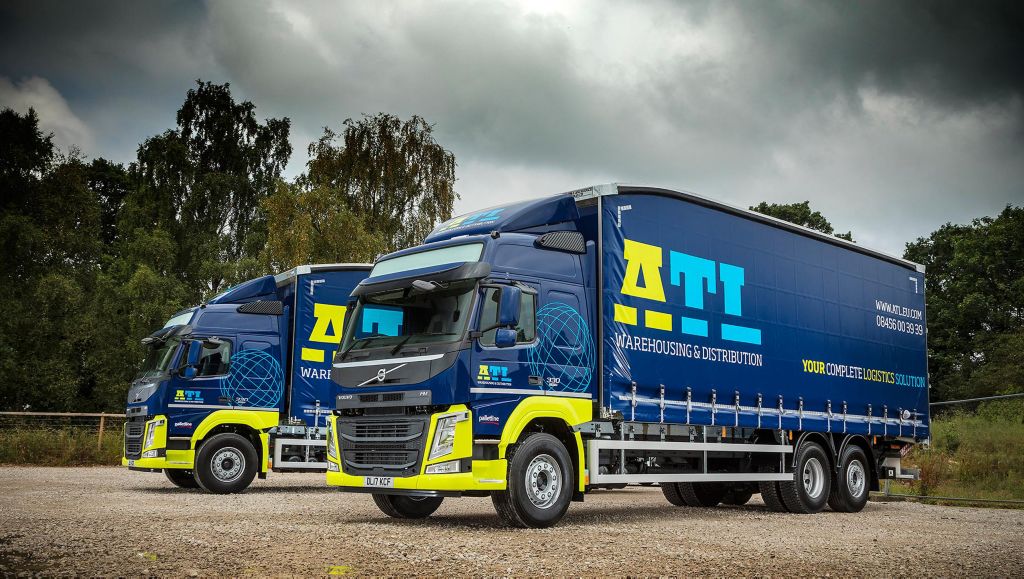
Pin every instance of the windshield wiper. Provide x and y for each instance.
(399, 345)
(360, 340)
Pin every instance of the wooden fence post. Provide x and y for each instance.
(99, 439)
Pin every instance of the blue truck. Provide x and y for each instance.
(619, 335)
(241, 384)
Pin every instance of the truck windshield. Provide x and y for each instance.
(408, 316)
(158, 358)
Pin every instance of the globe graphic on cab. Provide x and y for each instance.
(564, 354)
(255, 380)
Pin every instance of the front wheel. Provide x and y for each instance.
(226, 463)
(540, 483)
(181, 478)
(404, 507)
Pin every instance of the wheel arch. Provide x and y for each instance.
(251, 424)
(555, 416)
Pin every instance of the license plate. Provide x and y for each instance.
(131, 463)
(381, 482)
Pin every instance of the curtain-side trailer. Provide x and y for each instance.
(616, 335)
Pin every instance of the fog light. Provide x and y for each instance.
(333, 467)
(151, 454)
(444, 467)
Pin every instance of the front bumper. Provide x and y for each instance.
(349, 474)
(144, 451)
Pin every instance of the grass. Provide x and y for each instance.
(60, 446)
(973, 455)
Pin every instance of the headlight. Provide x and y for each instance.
(444, 435)
(332, 450)
(151, 432)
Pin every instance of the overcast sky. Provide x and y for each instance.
(890, 117)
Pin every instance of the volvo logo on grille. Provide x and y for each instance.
(381, 375)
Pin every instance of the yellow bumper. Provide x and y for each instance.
(258, 420)
(486, 475)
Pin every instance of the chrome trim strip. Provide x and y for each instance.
(528, 392)
(388, 361)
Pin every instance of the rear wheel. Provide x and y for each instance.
(702, 494)
(181, 478)
(737, 496)
(850, 491)
(809, 492)
(540, 483)
(226, 463)
(403, 507)
(772, 497)
(671, 492)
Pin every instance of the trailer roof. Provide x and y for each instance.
(595, 191)
(287, 276)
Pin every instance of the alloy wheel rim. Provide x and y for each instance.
(227, 464)
(855, 478)
(543, 481)
(813, 478)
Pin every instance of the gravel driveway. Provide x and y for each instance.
(109, 521)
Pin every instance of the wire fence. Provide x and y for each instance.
(103, 424)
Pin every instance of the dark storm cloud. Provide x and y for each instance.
(123, 65)
(950, 52)
(891, 117)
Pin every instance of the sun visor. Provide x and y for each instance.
(512, 217)
(447, 272)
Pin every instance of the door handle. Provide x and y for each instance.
(535, 381)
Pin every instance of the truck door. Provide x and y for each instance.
(256, 379)
(564, 352)
(505, 370)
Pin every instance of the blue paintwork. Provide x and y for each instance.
(746, 308)
(760, 301)
(267, 369)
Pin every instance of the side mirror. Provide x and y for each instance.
(508, 309)
(195, 348)
(505, 338)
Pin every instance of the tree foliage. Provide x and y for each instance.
(800, 214)
(391, 172)
(97, 255)
(975, 295)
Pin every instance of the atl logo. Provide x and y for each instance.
(697, 276)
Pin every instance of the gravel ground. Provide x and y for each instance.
(109, 521)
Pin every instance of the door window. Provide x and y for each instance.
(526, 331)
(213, 361)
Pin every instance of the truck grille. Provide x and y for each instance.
(382, 447)
(134, 430)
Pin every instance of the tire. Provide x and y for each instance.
(772, 497)
(850, 488)
(808, 493)
(702, 494)
(226, 463)
(404, 507)
(540, 483)
(181, 478)
(671, 492)
(737, 496)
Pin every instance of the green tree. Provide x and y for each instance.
(313, 226)
(800, 214)
(975, 295)
(203, 183)
(392, 173)
(50, 229)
